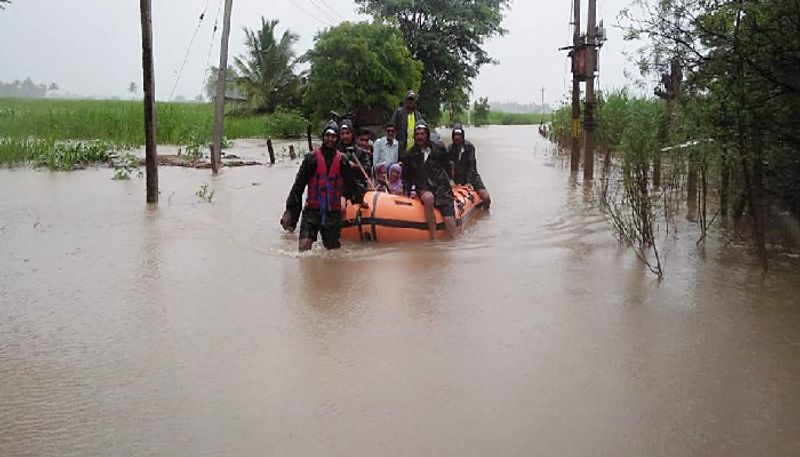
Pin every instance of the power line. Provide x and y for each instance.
(211, 47)
(309, 14)
(188, 49)
(331, 9)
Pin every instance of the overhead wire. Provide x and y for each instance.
(331, 9)
(211, 47)
(309, 14)
(188, 49)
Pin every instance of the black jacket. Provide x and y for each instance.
(465, 166)
(400, 122)
(353, 190)
(431, 175)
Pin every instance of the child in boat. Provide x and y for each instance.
(381, 180)
(395, 179)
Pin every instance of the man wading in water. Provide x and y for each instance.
(329, 177)
(425, 170)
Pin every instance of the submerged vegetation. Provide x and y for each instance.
(719, 140)
(59, 155)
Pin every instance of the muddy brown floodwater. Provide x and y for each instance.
(196, 330)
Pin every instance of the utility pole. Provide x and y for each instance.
(219, 111)
(148, 84)
(541, 122)
(591, 102)
(576, 54)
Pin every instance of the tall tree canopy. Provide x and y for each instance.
(448, 37)
(359, 64)
(265, 74)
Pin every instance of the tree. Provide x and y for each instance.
(447, 36)
(3, 4)
(359, 64)
(266, 72)
(133, 88)
(739, 59)
(211, 81)
(481, 109)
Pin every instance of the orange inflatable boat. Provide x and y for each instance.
(391, 218)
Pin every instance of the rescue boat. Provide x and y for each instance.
(392, 218)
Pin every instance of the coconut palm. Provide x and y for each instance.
(266, 71)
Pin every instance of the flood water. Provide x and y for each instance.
(196, 329)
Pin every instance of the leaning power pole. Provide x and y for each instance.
(219, 111)
(576, 54)
(148, 84)
(591, 103)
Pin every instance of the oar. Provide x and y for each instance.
(369, 181)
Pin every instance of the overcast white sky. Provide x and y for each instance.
(93, 47)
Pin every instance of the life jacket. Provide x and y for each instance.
(325, 188)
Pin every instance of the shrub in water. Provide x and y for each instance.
(286, 124)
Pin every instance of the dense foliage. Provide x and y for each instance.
(359, 64)
(481, 112)
(448, 37)
(736, 62)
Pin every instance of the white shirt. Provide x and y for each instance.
(385, 152)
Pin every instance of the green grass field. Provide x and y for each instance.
(117, 121)
(501, 118)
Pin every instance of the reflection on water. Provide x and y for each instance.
(197, 329)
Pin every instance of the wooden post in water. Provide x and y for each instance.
(591, 102)
(691, 185)
(271, 151)
(308, 134)
(148, 84)
(575, 153)
(219, 110)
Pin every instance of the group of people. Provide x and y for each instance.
(406, 161)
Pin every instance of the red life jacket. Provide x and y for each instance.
(325, 188)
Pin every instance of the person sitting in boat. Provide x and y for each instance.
(396, 179)
(465, 167)
(356, 155)
(329, 177)
(425, 171)
(386, 148)
(381, 178)
(364, 141)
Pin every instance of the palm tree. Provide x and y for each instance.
(266, 71)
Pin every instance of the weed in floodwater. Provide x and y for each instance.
(205, 193)
(56, 155)
(125, 165)
(194, 142)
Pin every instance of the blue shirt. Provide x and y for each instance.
(384, 152)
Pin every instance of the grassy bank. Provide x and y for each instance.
(117, 121)
(498, 118)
